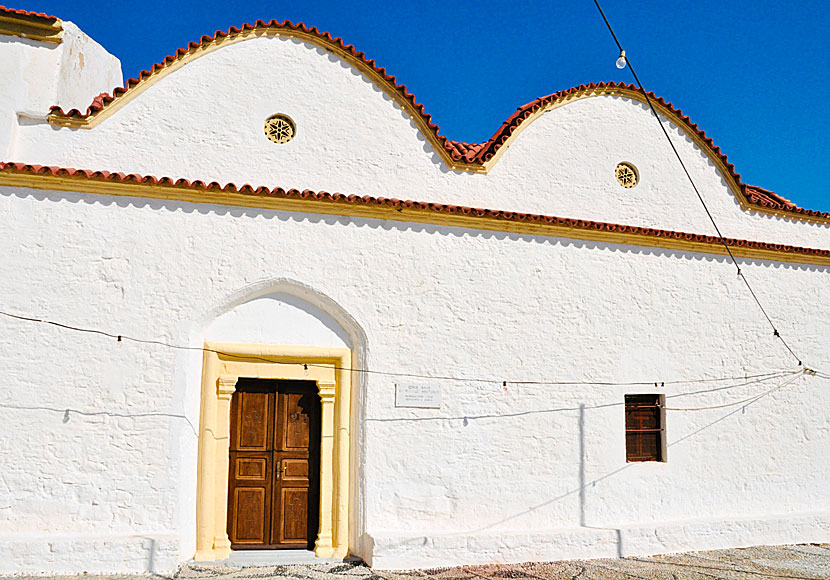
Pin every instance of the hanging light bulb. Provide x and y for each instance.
(621, 61)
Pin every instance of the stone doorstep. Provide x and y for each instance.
(248, 558)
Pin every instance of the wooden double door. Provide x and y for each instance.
(274, 479)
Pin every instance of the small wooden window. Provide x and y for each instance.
(644, 428)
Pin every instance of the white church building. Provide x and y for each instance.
(254, 300)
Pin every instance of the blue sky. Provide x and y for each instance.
(753, 74)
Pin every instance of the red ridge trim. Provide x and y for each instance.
(367, 200)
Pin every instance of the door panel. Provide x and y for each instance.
(252, 468)
(295, 422)
(250, 503)
(274, 464)
(295, 515)
(250, 498)
(252, 417)
(295, 471)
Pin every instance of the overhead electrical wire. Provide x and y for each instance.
(661, 383)
(616, 403)
(658, 383)
(750, 380)
(749, 400)
(625, 60)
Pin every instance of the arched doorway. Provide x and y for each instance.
(326, 366)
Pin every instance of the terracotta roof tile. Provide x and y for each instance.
(767, 199)
(13, 11)
(465, 151)
(473, 154)
(370, 201)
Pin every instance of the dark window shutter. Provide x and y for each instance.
(643, 428)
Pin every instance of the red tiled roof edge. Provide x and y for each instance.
(752, 194)
(768, 199)
(370, 201)
(105, 99)
(5, 10)
(470, 153)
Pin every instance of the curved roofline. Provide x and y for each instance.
(459, 156)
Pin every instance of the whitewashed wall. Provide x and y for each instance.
(98, 444)
(492, 475)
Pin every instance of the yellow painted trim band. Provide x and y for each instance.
(30, 26)
(215, 195)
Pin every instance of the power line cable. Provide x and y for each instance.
(123, 337)
(749, 400)
(529, 412)
(748, 381)
(662, 383)
(741, 275)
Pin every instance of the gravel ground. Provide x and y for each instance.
(802, 562)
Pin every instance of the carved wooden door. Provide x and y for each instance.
(273, 495)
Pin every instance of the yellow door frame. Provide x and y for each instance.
(223, 364)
